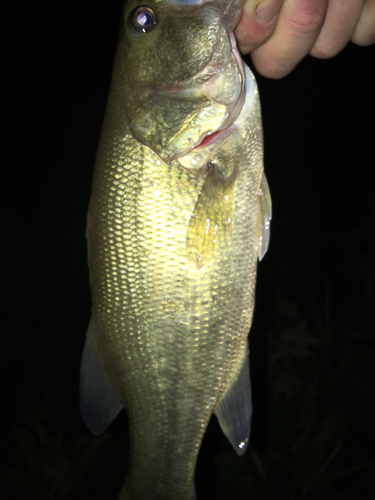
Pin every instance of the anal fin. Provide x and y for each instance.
(235, 409)
(98, 400)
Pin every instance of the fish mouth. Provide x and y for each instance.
(233, 111)
(214, 121)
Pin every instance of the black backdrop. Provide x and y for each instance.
(319, 159)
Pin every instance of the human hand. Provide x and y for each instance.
(280, 33)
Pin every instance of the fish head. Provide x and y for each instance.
(182, 73)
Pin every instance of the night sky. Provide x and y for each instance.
(319, 159)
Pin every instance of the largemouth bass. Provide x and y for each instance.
(179, 214)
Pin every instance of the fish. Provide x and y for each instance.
(179, 215)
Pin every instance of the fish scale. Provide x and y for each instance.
(173, 248)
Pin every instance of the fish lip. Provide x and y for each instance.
(234, 111)
(218, 135)
(221, 133)
(207, 140)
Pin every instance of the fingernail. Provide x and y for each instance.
(268, 10)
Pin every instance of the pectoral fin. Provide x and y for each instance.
(264, 215)
(98, 400)
(211, 222)
(235, 409)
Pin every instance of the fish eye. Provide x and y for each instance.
(143, 19)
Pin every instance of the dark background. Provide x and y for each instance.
(312, 342)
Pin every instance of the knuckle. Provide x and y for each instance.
(308, 19)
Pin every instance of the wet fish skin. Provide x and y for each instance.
(174, 234)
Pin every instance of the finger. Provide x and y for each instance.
(339, 25)
(364, 33)
(257, 23)
(297, 28)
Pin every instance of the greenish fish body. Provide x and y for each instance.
(178, 216)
